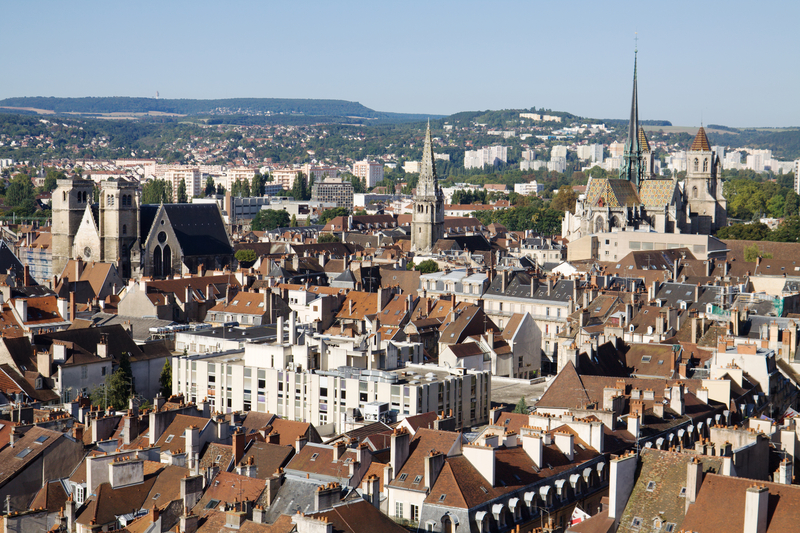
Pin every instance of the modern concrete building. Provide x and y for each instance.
(333, 190)
(370, 171)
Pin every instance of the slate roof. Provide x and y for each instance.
(9, 260)
(199, 227)
(664, 472)
(519, 286)
(295, 495)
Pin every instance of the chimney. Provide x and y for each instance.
(338, 451)
(279, 331)
(102, 346)
(784, 475)
(300, 443)
(504, 281)
(21, 305)
(634, 423)
(234, 519)
(238, 446)
(549, 285)
(566, 443)
(371, 487)
(131, 428)
(533, 446)
(26, 276)
(70, 509)
(400, 441)
(482, 459)
(326, 496)
(694, 479)
(188, 523)
(676, 402)
(756, 505)
(623, 470)
(434, 462)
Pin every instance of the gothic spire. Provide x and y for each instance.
(428, 183)
(632, 164)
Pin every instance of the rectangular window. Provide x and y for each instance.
(415, 513)
(398, 509)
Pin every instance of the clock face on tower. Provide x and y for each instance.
(87, 252)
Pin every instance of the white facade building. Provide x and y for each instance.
(370, 171)
(485, 156)
(528, 189)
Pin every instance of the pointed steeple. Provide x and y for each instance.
(700, 143)
(428, 184)
(632, 165)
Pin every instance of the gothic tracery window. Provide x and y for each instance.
(696, 164)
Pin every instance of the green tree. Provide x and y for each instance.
(299, 187)
(220, 190)
(328, 237)
(20, 190)
(156, 192)
(330, 214)
(791, 203)
(182, 196)
(246, 256)
(165, 379)
(521, 407)
(756, 231)
(115, 392)
(51, 179)
(565, 199)
(267, 219)
(428, 266)
(257, 185)
(751, 253)
(210, 188)
(293, 223)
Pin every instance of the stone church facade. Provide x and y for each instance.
(142, 240)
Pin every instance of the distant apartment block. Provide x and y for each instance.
(528, 189)
(797, 176)
(315, 173)
(485, 156)
(537, 117)
(558, 151)
(411, 166)
(370, 171)
(557, 164)
(528, 155)
(190, 176)
(590, 152)
(285, 177)
(333, 190)
(241, 174)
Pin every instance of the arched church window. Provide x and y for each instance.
(694, 192)
(705, 165)
(696, 164)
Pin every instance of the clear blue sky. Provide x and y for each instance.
(735, 63)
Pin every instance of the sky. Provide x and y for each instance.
(733, 63)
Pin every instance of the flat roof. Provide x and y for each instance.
(235, 332)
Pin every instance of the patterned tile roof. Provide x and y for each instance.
(643, 140)
(611, 192)
(700, 143)
(657, 192)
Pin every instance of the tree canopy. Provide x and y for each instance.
(330, 214)
(267, 219)
(156, 192)
(428, 266)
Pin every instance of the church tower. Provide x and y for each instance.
(119, 223)
(70, 199)
(707, 205)
(633, 166)
(427, 221)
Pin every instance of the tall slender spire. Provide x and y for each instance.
(632, 165)
(428, 183)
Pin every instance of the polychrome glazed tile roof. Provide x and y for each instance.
(611, 193)
(657, 192)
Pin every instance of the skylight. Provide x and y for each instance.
(169, 439)
(41, 439)
(314, 457)
(402, 477)
(646, 358)
(24, 453)
(651, 486)
(417, 479)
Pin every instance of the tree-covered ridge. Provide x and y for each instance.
(227, 106)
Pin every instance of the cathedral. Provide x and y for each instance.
(158, 241)
(427, 220)
(640, 200)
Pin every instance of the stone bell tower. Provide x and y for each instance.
(70, 199)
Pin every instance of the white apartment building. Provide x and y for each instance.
(238, 173)
(190, 176)
(244, 380)
(370, 171)
(528, 189)
(485, 156)
(797, 176)
(411, 166)
(733, 160)
(557, 164)
(528, 155)
(558, 150)
(285, 177)
(616, 149)
(315, 173)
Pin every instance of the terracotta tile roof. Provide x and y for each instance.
(216, 453)
(700, 142)
(244, 303)
(51, 496)
(268, 457)
(720, 506)
(363, 304)
(177, 429)
(167, 486)
(358, 517)
(227, 487)
(317, 459)
(422, 443)
(108, 503)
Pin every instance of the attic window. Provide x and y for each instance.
(669, 291)
(651, 486)
(508, 421)
(248, 304)
(402, 477)
(683, 492)
(24, 453)
(442, 497)
(212, 504)
(41, 439)
(617, 266)
(235, 302)
(218, 459)
(636, 523)
(660, 361)
(261, 304)
(314, 457)
(646, 358)
(417, 480)
(157, 496)
(169, 439)
(645, 311)
(597, 309)
(670, 528)
(484, 490)
(452, 335)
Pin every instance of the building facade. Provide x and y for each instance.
(333, 190)
(370, 171)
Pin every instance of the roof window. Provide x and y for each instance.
(402, 477)
(314, 457)
(24, 453)
(41, 439)
(417, 480)
(651, 486)
(646, 359)
(169, 439)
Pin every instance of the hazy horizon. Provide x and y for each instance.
(716, 63)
